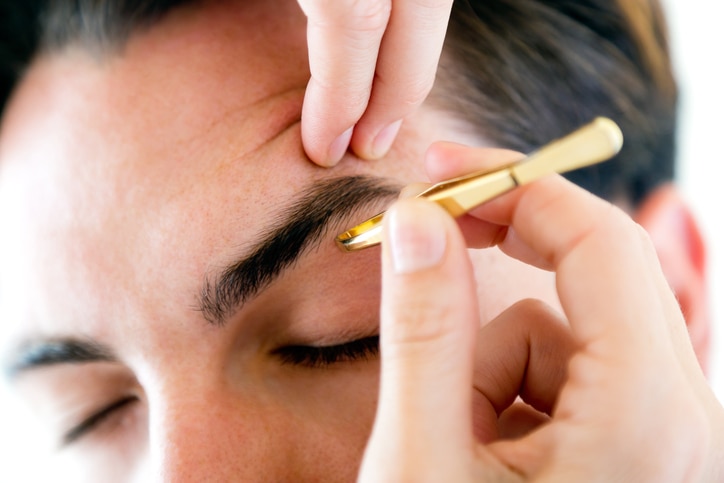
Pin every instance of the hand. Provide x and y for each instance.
(614, 393)
(372, 62)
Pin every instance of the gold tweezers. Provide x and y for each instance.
(593, 143)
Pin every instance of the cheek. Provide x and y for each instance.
(295, 428)
(336, 406)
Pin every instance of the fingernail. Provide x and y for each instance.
(415, 236)
(383, 142)
(339, 147)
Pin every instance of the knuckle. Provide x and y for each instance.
(417, 91)
(530, 308)
(354, 93)
(370, 15)
(352, 15)
(433, 4)
(408, 96)
(419, 323)
(433, 13)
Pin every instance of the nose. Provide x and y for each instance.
(213, 437)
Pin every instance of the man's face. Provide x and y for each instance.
(168, 268)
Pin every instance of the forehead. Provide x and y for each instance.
(162, 159)
(180, 103)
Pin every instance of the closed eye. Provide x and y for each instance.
(96, 420)
(320, 357)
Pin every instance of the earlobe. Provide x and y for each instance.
(682, 252)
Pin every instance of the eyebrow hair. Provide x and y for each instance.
(50, 352)
(300, 228)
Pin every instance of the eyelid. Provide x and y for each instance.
(315, 357)
(93, 422)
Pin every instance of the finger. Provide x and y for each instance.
(405, 73)
(477, 234)
(445, 160)
(429, 318)
(481, 234)
(343, 39)
(519, 420)
(413, 189)
(608, 277)
(612, 290)
(622, 311)
(524, 352)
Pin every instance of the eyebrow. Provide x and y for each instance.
(300, 228)
(50, 352)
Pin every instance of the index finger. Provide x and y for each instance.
(372, 64)
(609, 280)
(343, 38)
(405, 72)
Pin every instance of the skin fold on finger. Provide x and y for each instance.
(405, 72)
(479, 234)
(513, 246)
(429, 318)
(522, 353)
(519, 420)
(343, 39)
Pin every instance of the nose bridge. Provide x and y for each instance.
(209, 436)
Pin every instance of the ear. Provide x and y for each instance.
(682, 253)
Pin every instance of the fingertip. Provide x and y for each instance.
(416, 241)
(322, 137)
(376, 146)
(441, 160)
(329, 157)
(413, 189)
(338, 148)
(445, 160)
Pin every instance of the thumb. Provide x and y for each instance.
(429, 321)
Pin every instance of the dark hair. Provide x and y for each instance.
(28, 27)
(528, 71)
(522, 72)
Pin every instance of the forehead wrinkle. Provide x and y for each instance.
(298, 229)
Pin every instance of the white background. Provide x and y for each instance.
(697, 42)
(697, 35)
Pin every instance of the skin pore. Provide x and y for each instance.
(123, 204)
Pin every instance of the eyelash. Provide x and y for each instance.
(94, 421)
(298, 355)
(320, 357)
